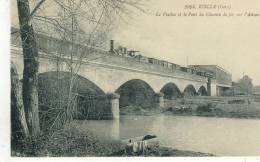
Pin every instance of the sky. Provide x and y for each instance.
(230, 42)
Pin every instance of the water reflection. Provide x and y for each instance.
(220, 136)
(114, 129)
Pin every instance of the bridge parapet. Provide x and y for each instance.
(54, 46)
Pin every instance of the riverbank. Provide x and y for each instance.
(68, 142)
(200, 107)
(236, 108)
(72, 142)
(139, 110)
(163, 152)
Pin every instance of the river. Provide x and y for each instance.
(219, 136)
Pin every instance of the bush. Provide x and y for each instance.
(69, 142)
(204, 108)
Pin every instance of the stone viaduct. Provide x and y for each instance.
(111, 73)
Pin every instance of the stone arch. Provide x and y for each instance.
(189, 91)
(202, 91)
(87, 99)
(81, 85)
(171, 91)
(136, 92)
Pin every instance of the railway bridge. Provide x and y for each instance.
(123, 79)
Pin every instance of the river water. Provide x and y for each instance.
(219, 136)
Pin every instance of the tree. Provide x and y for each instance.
(244, 86)
(82, 25)
(19, 126)
(72, 19)
(30, 71)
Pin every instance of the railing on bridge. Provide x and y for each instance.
(53, 45)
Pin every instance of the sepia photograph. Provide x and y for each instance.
(132, 78)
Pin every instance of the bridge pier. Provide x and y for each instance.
(114, 104)
(159, 99)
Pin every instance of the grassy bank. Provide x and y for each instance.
(72, 142)
(139, 110)
(198, 108)
(69, 142)
(211, 108)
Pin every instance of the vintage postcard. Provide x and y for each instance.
(134, 78)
